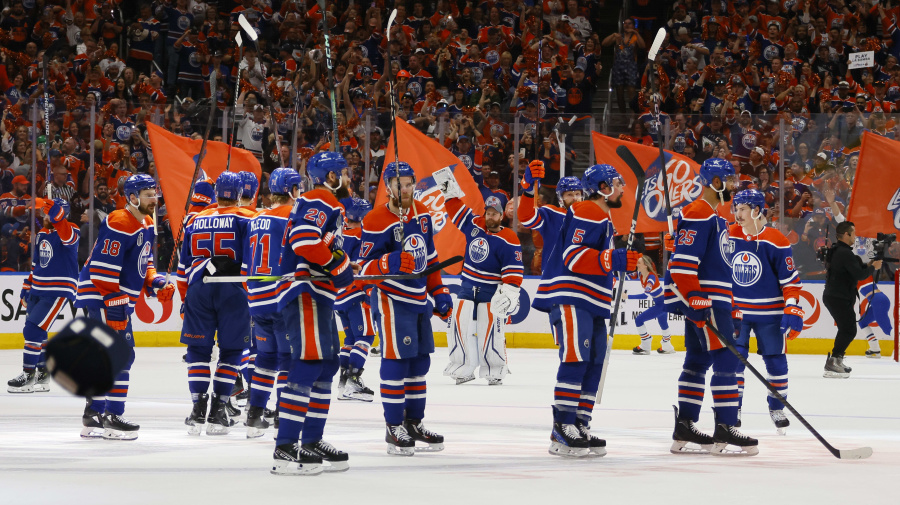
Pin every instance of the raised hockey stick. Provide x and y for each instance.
(251, 32)
(393, 78)
(860, 453)
(237, 91)
(635, 167)
(654, 50)
(362, 278)
(329, 64)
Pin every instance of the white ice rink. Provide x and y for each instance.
(497, 440)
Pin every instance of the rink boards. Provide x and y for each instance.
(158, 325)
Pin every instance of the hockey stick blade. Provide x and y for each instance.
(657, 44)
(631, 161)
(861, 453)
(391, 23)
(364, 278)
(247, 27)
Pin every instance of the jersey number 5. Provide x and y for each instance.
(198, 250)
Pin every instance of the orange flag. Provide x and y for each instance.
(681, 172)
(426, 156)
(875, 199)
(175, 159)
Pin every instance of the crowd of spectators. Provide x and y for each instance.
(765, 83)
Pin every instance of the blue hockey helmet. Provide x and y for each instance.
(715, 167)
(397, 169)
(283, 180)
(356, 209)
(323, 163)
(229, 186)
(137, 183)
(249, 184)
(565, 184)
(753, 198)
(599, 174)
(65, 206)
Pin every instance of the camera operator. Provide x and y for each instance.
(845, 269)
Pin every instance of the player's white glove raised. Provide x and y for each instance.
(505, 301)
(446, 181)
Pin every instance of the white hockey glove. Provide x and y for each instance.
(505, 301)
(446, 181)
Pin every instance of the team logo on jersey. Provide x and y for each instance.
(479, 250)
(46, 253)
(49, 106)
(194, 59)
(587, 343)
(256, 133)
(799, 123)
(542, 110)
(748, 140)
(407, 340)
(746, 269)
(144, 258)
(894, 207)
(680, 144)
(123, 132)
(492, 57)
(770, 52)
(477, 73)
(183, 22)
(416, 245)
(575, 97)
(466, 159)
(415, 88)
(140, 239)
(365, 51)
(725, 246)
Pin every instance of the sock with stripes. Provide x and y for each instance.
(646, 338)
(199, 375)
(293, 403)
(263, 378)
(226, 373)
(34, 347)
(691, 388)
(415, 388)
(777, 375)
(589, 386)
(393, 389)
(359, 353)
(740, 375)
(319, 402)
(115, 398)
(869, 333)
(567, 393)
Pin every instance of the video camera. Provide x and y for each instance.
(882, 242)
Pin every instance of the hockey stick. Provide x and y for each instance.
(251, 32)
(537, 182)
(561, 129)
(860, 453)
(654, 50)
(635, 167)
(237, 87)
(213, 80)
(393, 78)
(362, 278)
(329, 65)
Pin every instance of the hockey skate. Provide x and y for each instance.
(728, 436)
(640, 351)
(291, 459)
(566, 441)
(781, 421)
(419, 433)
(256, 422)
(116, 427)
(241, 399)
(463, 380)
(835, 369)
(269, 414)
(737, 424)
(42, 381)
(342, 382)
(398, 440)
(375, 350)
(92, 422)
(197, 419)
(218, 422)
(666, 347)
(873, 354)
(355, 389)
(494, 382)
(687, 433)
(24, 383)
(232, 408)
(338, 461)
(596, 445)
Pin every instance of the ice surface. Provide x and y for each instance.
(497, 439)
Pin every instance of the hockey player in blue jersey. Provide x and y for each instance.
(576, 290)
(312, 246)
(118, 268)
(403, 308)
(241, 391)
(355, 313)
(875, 311)
(262, 254)
(214, 313)
(698, 285)
(654, 292)
(766, 289)
(489, 291)
(546, 219)
(52, 282)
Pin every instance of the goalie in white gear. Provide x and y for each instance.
(489, 292)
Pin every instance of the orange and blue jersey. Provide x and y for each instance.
(262, 252)
(652, 288)
(546, 220)
(352, 293)
(214, 236)
(574, 275)
(54, 269)
(315, 226)
(383, 233)
(121, 260)
(763, 273)
(701, 261)
(491, 258)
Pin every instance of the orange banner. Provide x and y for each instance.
(175, 159)
(681, 172)
(875, 199)
(426, 156)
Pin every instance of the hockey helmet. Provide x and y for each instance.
(396, 169)
(754, 198)
(229, 186)
(716, 167)
(565, 184)
(599, 174)
(356, 209)
(137, 183)
(323, 163)
(283, 180)
(249, 184)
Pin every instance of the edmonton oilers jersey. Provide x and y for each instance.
(547, 220)
(54, 270)
(491, 258)
(352, 293)
(383, 233)
(214, 236)
(262, 251)
(763, 273)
